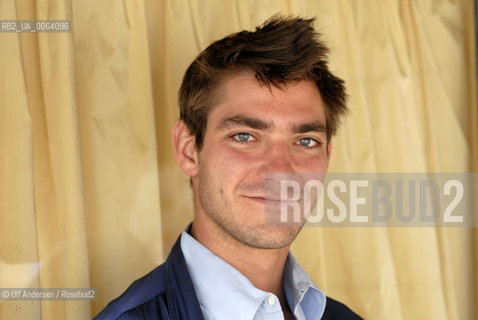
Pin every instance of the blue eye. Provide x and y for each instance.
(243, 137)
(307, 142)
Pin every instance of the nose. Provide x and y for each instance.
(278, 159)
(277, 166)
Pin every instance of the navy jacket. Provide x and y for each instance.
(167, 292)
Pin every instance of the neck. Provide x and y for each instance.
(263, 267)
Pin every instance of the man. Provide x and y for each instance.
(252, 104)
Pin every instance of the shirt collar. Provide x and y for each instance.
(306, 300)
(234, 294)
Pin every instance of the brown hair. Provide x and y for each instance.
(281, 50)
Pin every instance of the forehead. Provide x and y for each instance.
(242, 94)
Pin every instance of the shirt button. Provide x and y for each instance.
(271, 300)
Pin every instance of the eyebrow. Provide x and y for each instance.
(245, 121)
(315, 126)
(254, 123)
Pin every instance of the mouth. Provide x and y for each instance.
(277, 212)
(271, 199)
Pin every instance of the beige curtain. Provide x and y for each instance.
(85, 121)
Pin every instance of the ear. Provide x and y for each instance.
(184, 146)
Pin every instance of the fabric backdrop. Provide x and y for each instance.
(91, 197)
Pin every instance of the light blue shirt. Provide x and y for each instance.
(224, 293)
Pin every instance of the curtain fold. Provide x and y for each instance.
(85, 122)
(119, 153)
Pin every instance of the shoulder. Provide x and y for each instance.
(337, 310)
(164, 293)
(143, 297)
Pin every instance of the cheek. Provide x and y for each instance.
(312, 164)
(227, 165)
(235, 163)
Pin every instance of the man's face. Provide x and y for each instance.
(253, 131)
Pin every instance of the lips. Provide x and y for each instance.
(271, 199)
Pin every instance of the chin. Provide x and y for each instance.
(268, 237)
